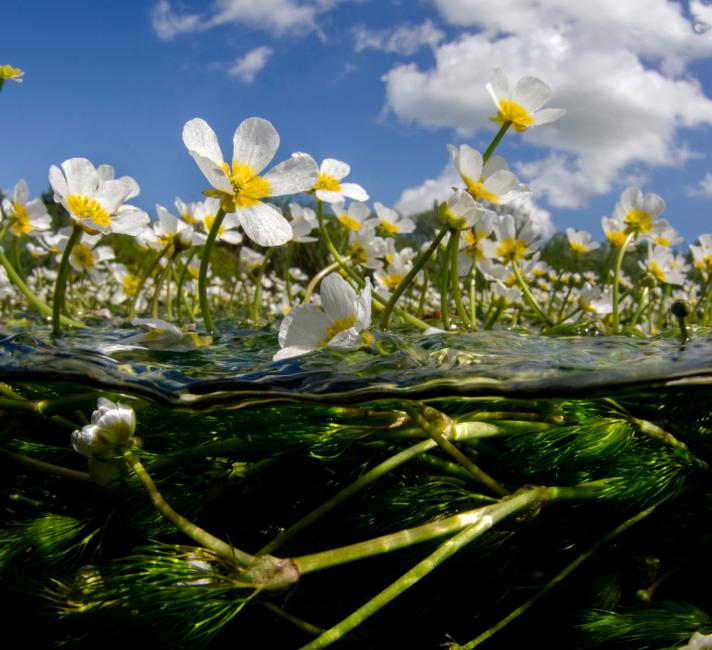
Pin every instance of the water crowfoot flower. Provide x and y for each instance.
(25, 217)
(521, 105)
(330, 189)
(240, 185)
(342, 324)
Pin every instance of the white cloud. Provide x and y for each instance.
(404, 40)
(278, 17)
(246, 68)
(703, 187)
(168, 25)
(617, 67)
(435, 190)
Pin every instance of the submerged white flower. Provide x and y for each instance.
(342, 324)
(239, 185)
(522, 105)
(111, 427)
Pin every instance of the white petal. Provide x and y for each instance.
(255, 143)
(354, 192)
(494, 164)
(200, 139)
(498, 87)
(337, 297)
(296, 174)
(327, 196)
(58, 181)
(531, 93)
(21, 192)
(264, 225)
(305, 327)
(547, 115)
(653, 204)
(213, 172)
(335, 168)
(290, 352)
(348, 339)
(470, 163)
(81, 176)
(631, 198)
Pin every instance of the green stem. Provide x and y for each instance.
(61, 282)
(41, 306)
(475, 524)
(455, 279)
(46, 468)
(528, 295)
(316, 279)
(472, 291)
(559, 578)
(641, 306)
(159, 286)
(405, 282)
(203, 273)
(287, 276)
(493, 145)
(197, 534)
(180, 302)
(444, 282)
(617, 281)
(421, 325)
(142, 280)
(257, 298)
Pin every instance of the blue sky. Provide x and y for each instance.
(384, 85)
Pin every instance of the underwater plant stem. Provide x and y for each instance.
(530, 300)
(405, 282)
(438, 425)
(556, 580)
(46, 468)
(257, 297)
(455, 279)
(60, 284)
(421, 325)
(617, 281)
(41, 306)
(196, 533)
(495, 141)
(303, 625)
(203, 273)
(485, 519)
(316, 279)
(359, 484)
(654, 431)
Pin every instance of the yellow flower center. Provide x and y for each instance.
(479, 192)
(453, 220)
(357, 253)
(247, 187)
(578, 247)
(392, 281)
(8, 72)
(661, 240)
(84, 207)
(510, 111)
(339, 325)
(194, 272)
(19, 220)
(326, 182)
(655, 270)
(188, 218)
(130, 284)
(639, 221)
(616, 238)
(83, 256)
(390, 227)
(512, 249)
(349, 222)
(209, 221)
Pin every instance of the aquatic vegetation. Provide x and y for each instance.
(214, 442)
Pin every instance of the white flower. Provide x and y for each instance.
(303, 222)
(639, 212)
(661, 264)
(492, 182)
(357, 217)
(25, 217)
(702, 254)
(511, 244)
(329, 188)
(391, 222)
(521, 106)
(112, 425)
(94, 198)
(239, 185)
(342, 324)
(460, 210)
(580, 241)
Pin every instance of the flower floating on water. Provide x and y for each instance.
(239, 185)
(342, 324)
(521, 105)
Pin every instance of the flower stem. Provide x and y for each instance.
(203, 273)
(61, 281)
(617, 281)
(405, 282)
(444, 282)
(455, 279)
(316, 279)
(257, 297)
(528, 295)
(493, 145)
(159, 286)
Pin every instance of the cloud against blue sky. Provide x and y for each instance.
(381, 84)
